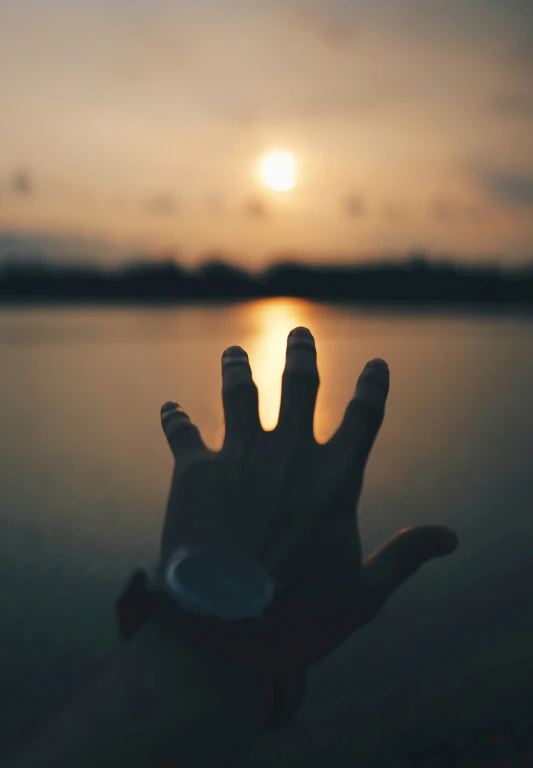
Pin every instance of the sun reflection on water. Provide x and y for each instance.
(273, 320)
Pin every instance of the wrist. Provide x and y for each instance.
(279, 676)
(224, 703)
(238, 652)
(177, 665)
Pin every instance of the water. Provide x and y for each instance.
(85, 469)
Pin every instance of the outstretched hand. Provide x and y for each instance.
(289, 502)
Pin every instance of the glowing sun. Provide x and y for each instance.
(277, 171)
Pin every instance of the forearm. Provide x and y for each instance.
(156, 699)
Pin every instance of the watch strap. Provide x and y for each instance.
(261, 643)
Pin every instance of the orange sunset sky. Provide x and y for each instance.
(131, 126)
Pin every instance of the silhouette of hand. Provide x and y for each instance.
(289, 502)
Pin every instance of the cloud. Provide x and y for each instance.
(54, 248)
(215, 204)
(475, 212)
(513, 104)
(21, 182)
(255, 208)
(443, 210)
(393, 211)
(162, 204)
(464, 21)
(353, 205)
(153, 44)
(512, 189)
(333, 24)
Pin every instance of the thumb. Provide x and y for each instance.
(388, 567)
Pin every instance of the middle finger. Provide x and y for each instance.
(299, 385)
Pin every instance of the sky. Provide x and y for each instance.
(139, 126)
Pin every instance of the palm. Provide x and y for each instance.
(327, 568)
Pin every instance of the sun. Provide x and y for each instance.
(277, 171)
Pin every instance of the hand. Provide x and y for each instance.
(289, 502)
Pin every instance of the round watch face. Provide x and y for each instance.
(219, 583)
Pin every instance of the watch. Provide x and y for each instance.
(227, 605)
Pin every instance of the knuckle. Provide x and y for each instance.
(229, 363)
(238, 380)
(301, 344)
(368, 409)
(304, 374)
(181, 425)
(370, 398)
(174, 417)
(201, 466)
(234, 352)
(376, 377)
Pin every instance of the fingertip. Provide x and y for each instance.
(234, 353)
(441, 540)
(373, 384)
(172, 415)
(301, 332)
(182, 435)
(167, 410)
(378, 370)
(432, 540)
(449, 541)
(170, 405)
(377, 363)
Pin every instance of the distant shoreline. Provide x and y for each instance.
(436, 307)
(413, 282)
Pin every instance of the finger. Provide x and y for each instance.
(390, 566)
(240, 400)
(364, 415)
(183, 436)
(299, 385)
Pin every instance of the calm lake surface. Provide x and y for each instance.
(85, 471)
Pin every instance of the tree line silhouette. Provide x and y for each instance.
(414, 280)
